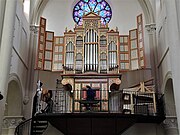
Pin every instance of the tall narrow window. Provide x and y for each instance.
(91, 51)
(70, 56)
(134, 49)
(112, 48)
(141, 41)
(124, 53)
(48, 50)
(41, 44)
(26, 7)
(58, 58)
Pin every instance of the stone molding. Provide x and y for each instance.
(12, 121)
(170, 122)
(151, 28)
(34, 29)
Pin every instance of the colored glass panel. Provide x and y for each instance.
(100, 7)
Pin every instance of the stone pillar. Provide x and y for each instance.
(6, 50)
(151, 29)
(170, 125)
(31, 65)
(173, 41)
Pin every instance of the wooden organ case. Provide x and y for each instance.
(91, 55)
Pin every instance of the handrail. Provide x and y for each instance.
(21, 126)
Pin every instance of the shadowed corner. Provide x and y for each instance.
(1, 96)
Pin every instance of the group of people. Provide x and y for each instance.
(46, 96)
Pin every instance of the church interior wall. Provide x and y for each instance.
(19, 59)
(60, 17)
(162, 48)
(48, 79)
(167, 38)
(20, 50)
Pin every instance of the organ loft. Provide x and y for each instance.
(91, 54)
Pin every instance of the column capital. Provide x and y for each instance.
(34, 29)
(170, 122)
(151, 28)
(12, 121)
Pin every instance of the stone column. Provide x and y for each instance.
(170, 125)
(173, 41)
(31, 65)
(6, 50)
(151, 29)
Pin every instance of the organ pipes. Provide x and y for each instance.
(70, 56)
(91, 51)
(112, 55)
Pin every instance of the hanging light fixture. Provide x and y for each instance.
(1, 96)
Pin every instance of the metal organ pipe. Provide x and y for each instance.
(91, 51)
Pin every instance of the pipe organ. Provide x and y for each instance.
(91, 54)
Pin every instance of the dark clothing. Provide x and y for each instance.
(49, 107)
(90, 97)
(90, 94)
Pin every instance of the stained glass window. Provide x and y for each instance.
(100, 7)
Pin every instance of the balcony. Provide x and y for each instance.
(110, 112)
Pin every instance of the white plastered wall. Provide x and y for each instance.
(18, 65)
(59, 15)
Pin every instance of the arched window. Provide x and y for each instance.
(26, 8)
(100, 7)
(70, 55)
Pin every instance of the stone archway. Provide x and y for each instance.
(13, 100)
(13, 107)
(170, 124)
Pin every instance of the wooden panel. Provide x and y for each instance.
(48, 50)
(134, 49)
(58, 54)
(124, 56)
(41, 44)
(141, 40)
